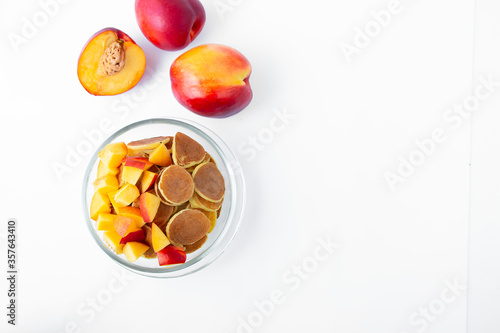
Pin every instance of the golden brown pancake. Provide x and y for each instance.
(212, 217)
(163, 214)
(198, 202)
(208, 182)
(169, 143)
(196, 245)
(175, 185)
(187, 227)
(148, 144)
(186, 152)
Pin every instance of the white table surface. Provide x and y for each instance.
(327, 243)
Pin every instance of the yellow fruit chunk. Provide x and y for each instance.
(111, 197)
(105, 222)
(133, 250)
(112, 238)
(149, 204)
(130, 175)
(103, 170)
(159, 239)
(112, 155)
(147, 180)
(100, 204)
(124, 225)
(126, 194)
(106, 184)
(132, 212)
(160, 156)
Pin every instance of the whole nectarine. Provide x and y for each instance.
(110, 63)
(212, 80)
(170, 24)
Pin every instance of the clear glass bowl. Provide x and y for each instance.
(232, 208)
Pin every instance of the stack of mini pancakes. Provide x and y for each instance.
(191, 191)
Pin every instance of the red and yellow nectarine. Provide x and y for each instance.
(212, 80)
(170, 24)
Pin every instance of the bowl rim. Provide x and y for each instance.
(232, 223)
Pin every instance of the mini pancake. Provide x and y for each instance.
(169, 143)
(175, 185)
(212, 216)
(187, 227)
(198, 202)
(186, 152)
(148, 144)
(154, 168)
(208, 182)
(196, 245)
(163, 214)
(207, 158)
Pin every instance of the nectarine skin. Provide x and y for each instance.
(212, 80)
(170, 24)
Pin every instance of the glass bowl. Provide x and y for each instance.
(232, 208)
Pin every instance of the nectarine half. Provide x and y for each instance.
(110, 63)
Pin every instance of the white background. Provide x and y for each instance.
(322, 177)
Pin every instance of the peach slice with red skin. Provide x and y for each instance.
(212, 80)
(149, 204)
(134, 236)
(124, 225)
(147, 181)
(110, 63)
(170, 255)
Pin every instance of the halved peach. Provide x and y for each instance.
(110, 63)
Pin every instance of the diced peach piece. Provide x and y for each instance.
(138, 162)
(133, 250)
(124, 225)
(112, 238)
(170, 255)
(149, 204)
(147, 181)
(111, 197)
(105, 222)
(130, 175)
(159, 239)
(103, 170)
(100, 204)
(106, 184)
(132, 212)
(134, 236)
(126, 194)
(113, 154)
(160, 156)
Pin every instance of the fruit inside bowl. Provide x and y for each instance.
(163, 205)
